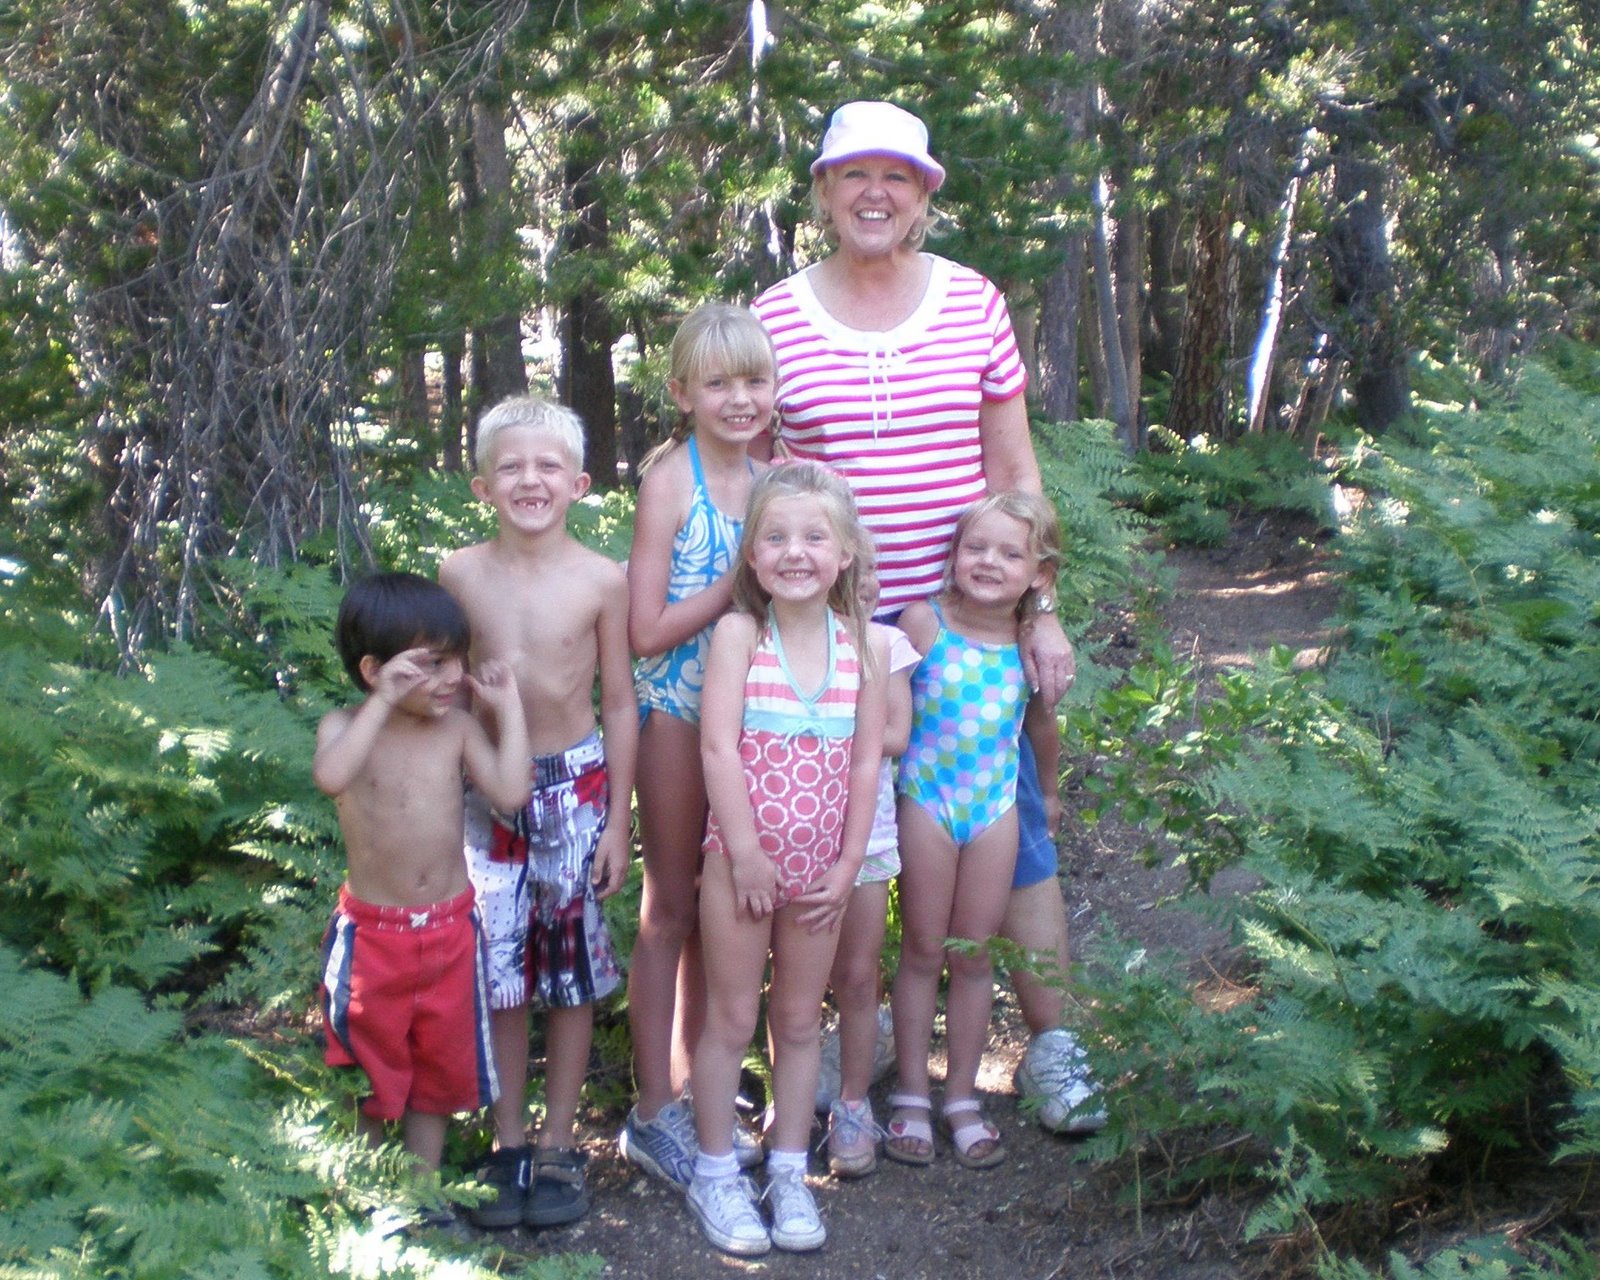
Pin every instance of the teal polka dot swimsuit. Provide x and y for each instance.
(967, 701)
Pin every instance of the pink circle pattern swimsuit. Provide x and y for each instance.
(795, 748)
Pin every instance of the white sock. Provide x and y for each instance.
(708, 1166)
(786, 1161)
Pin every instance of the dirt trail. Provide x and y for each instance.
(1038, 1216)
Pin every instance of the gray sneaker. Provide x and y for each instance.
(665, 1146)
(882, 1060)
(746, 1146)
(1054, 1074)
(725, 1208)
(796, 1225)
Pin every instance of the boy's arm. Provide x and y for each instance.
(619, 732)
(345, 738)
(755, 878)
(822, 904)
(455, 576)
(1039, 723)
(653, 625)
(499, 769)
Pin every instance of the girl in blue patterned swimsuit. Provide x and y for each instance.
(957, 811)
(686, 534)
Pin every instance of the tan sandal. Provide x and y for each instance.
(977, 1143)
(909, 1141)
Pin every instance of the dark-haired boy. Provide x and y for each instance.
(403, 987)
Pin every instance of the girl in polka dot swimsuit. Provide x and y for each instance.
(791, 729)
(957, 813)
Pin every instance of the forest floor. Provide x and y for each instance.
(1041, 1214)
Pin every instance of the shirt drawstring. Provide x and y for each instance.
(879, 359)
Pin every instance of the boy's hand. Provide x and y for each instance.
(755, 883)
(611, 857)
(400, 675)
(823, 902)
(494, 684)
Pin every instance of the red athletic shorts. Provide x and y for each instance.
(404, 998)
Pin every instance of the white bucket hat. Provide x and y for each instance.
(878, 129)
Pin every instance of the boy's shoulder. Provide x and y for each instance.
(465, 560)
(601, 567)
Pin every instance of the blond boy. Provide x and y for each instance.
(557, 614)
(403, 982)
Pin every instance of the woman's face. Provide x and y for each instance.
(872, 203)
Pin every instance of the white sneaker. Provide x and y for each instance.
(1055, 1074)
(882, 1060)
(725, 1208)
(796, 1225)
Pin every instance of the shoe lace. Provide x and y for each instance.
(786, 1192)
(1060, 1068)
(733, 1197)
(852, 1124)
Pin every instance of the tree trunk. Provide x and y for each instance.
(452, 408)
(1258, 383)
(1116, 365)
(587, 331)
(1163, 333)
(1075, 30)
(411, 404)
(1130, 258)
(1200, 386)
(1363, 283)
(497, 364)
(1058, 335)
(1091, 339)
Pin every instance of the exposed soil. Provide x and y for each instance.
(1040, 1215)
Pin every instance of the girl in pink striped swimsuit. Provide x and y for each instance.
(791, 725)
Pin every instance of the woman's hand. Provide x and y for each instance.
(1047, 658)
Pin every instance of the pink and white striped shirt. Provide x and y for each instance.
(896, 413)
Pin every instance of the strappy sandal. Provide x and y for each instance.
(909, 1141)
(558, 1194)
(977, 1144)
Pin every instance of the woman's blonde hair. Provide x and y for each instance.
(929, 222)
(717, 335)
(1044, 535)
(805, 479)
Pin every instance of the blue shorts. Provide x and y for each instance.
(1037, 856)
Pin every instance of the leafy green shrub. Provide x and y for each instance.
(1424, 948)
(1190, 487)
(132, 1150)
(155, 820)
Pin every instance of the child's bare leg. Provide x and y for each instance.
(983, 885)
(672, 816)
(857, 969)
(423, 1136)
(689, 1010)
(800, 963)
(508, 1039)
(927, 886)
(1036, 920)
(369, 1127)
(733, 998)
(568, 1034)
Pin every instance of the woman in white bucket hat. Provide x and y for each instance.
(899, 368)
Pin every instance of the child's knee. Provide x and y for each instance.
(795, 1027)
(855, 984)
